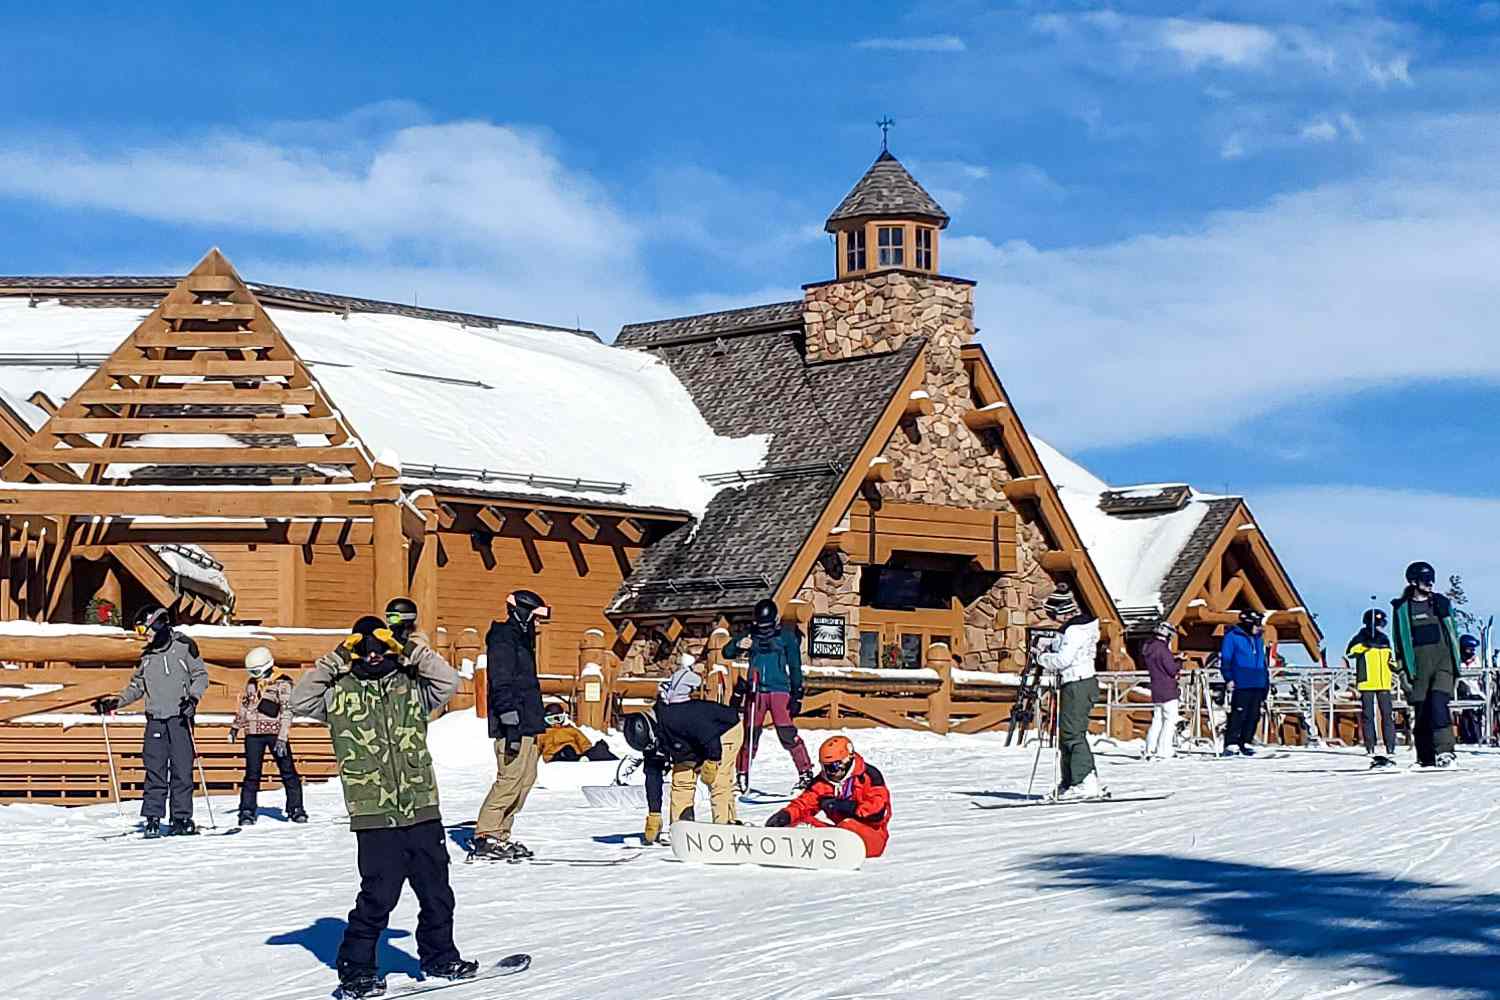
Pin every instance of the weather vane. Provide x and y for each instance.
(885, 133)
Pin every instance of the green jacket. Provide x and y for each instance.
(379, 732)
(1406, 659)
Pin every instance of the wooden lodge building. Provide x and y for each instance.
(274, 462)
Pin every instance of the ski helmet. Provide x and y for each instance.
(555, 713)
(1375, 619)
(1421, 573)
(837, 756)
(641, 732)
(152, 618)
(1251, 619)
(1467, 643)
(1061, 604)
(370, 646)
(1165, 630)
(401, 616)
(527, 608)
(259, 661)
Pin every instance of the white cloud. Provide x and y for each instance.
(1233, 146)
(1313, 294)
(1319, 130)
(1201, 42)
(1344, 543)
(919, 43)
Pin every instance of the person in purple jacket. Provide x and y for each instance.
(1163, 666)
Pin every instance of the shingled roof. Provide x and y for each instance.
(706, 326)
(888, 191)
(819, 416)
(1220, 510)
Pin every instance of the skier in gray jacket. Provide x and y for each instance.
(172, 678)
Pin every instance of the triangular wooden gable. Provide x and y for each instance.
(208, 361)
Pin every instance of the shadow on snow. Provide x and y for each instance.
(322, 938)
(1416, 934)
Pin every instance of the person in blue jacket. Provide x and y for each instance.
(776, 688)
(1242, 661)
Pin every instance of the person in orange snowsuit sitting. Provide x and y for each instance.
(849, 791)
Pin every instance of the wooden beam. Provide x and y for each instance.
(136, 501)
(216, 311)
(492, 518)
(585, 526)
(220, 339)
(1023, 488)
(194, 425)
(447, 516)
(332, 455)
(211, 282)
(539, 521)
(987, 417)
(674, 629)
(208, 393)
(632, 529)
(129, 366)
(1058, 561)
(918, 404)
(880, 470)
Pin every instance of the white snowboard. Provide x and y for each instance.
(615, 796)
(781, 847)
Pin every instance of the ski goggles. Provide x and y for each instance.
(558, 718)
(838, 769)
(399, 618)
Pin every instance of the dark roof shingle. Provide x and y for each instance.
(888, 190)
(704, 326)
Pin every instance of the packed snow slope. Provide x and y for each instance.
(1297, 877)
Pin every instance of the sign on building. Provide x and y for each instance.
(826, 638)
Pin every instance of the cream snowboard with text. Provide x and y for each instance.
(823, 848)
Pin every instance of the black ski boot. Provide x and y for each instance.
(357, 982)
(489, 849)
(297, 816)
(519, 851)
(153, 828)
(453, 968)
(184, 827)
(247, 817)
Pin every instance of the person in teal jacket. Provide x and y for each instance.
(1424, 639)
(776, 683)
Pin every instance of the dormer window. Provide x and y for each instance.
(892, 243)
(924, 248)
(854, 250)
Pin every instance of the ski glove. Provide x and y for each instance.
(794, 705)
(837, 808)
(510, 719)
(106, 703)
(279, 748)
(779, 818)
(187, 708)
(388, 637)
(234, 735)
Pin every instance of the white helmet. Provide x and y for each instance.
(1165, 630)
(259, 661)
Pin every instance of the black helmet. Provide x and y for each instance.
(367, 626)
(401, 615)
(1375, 619)
(765, 613)
(526, 606)
(1468, 643)
(152, 617)
(1250, 618)
(1421, 572)
(640, 732)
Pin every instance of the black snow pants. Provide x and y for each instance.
(387, 860)
(1433, 729)
(1370, 702)
(256, 748)
(1244, 716)
(167, 752)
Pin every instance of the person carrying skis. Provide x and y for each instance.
(376, 693)
(1470, 720)
(1242, 662)
(265, 717)
(516, 720)
(850, 791)
(776, 688)
(1163, 667)
(1071, 659)
(172, 678)
(1425, 643)
(1369, 653)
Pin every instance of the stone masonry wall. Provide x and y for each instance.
(936, 459)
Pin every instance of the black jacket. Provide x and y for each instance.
(513, 686)
(693, 729)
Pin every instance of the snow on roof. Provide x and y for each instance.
(549, 404)
(193, 563)
(1134, 554)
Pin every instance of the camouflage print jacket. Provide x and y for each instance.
(379, 731)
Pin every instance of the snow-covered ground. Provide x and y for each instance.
(1296, 877)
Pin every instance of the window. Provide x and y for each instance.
(891, 240)
(893, 589)
(924, 248)
(869, 649)
(854, 250)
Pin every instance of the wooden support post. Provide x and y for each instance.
(466, 650)
(591, 689)
(424, 584)
(390, 541)
(716, 682)
(940, 702)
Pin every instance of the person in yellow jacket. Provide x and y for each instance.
(563, 741)
(1369, 653)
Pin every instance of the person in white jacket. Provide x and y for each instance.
(1071, 660)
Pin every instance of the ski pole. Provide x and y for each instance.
(1037, 758)
(109, 755)
(1056, 731)
(202, 776)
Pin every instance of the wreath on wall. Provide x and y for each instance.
(102, 612)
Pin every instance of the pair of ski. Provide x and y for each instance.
(562, 862)
(139, 833)
(1102, 800)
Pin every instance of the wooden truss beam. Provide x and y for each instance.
(142, 501)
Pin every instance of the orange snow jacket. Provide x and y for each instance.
(864, 787)
(557, 737)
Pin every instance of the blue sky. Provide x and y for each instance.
(1251, 245)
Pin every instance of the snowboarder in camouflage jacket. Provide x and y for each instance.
(376, 692)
